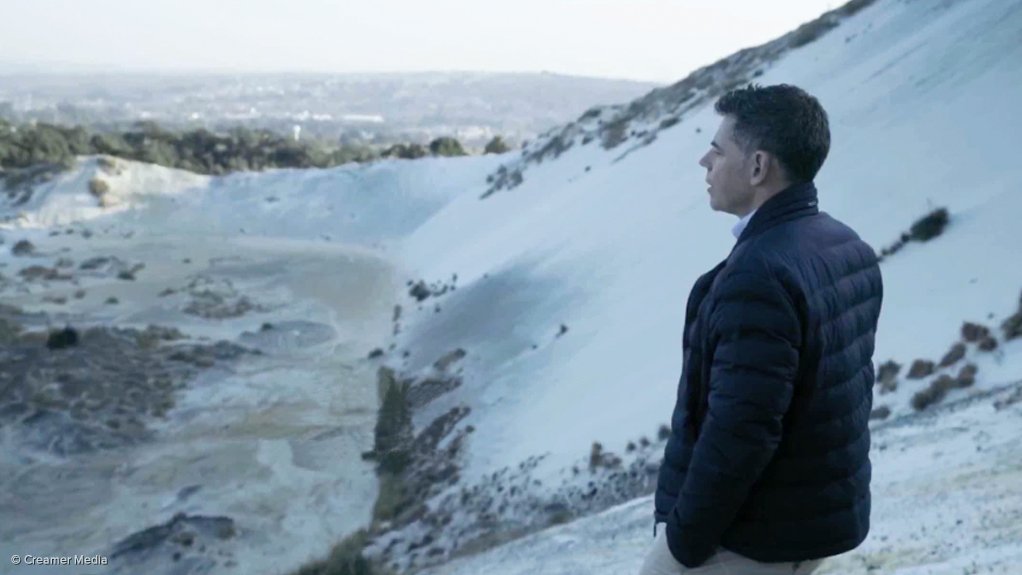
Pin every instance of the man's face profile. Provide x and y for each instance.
(726, 162)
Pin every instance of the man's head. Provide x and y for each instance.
(770, 137)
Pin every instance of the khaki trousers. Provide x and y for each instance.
(659, 561)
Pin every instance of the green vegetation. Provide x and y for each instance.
(496, 146)
(345, 559)
(393, 429)
(30, 147)
(447, 147)
(929, 226)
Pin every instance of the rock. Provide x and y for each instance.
(973, 332)
(23, 248)
(111, 301)
(956, 353)
(920, 368)
(563, 330)
(62, 339)
(375, 353)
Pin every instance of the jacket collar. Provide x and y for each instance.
(795, 201)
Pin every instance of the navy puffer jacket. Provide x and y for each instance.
(769, 448)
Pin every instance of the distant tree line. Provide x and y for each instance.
(200, 151)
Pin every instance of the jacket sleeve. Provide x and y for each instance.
(756, 334)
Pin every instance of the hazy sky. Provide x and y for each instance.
(658, 40)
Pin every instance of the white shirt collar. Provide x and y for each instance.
(742, 223)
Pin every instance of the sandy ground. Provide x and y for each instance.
(946, 501)
(272, 442)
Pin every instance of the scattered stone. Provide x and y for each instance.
(64, 263)
(166, 292)
(920, 368)
(563, 330)
(111, 301)
(956, 353)
(375, 353)
(79, 294)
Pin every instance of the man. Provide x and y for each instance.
(767, 466)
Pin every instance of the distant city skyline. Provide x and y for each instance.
(649, 40)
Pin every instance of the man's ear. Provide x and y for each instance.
(759, 167)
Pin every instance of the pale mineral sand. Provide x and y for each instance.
(274, 441)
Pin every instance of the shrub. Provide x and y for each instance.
(391, 497)
(595, 456)
(447, 147)
(810, 31)
(23, 248)
(496, 146)
(929, 226)
(615, 133)
(920, 369)
(98, 187)
(345, 558)
(664, 432)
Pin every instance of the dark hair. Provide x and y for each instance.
(783, 120)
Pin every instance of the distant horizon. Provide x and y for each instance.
(652, 41)
(9, 69)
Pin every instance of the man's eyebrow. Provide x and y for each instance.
(715, 145)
